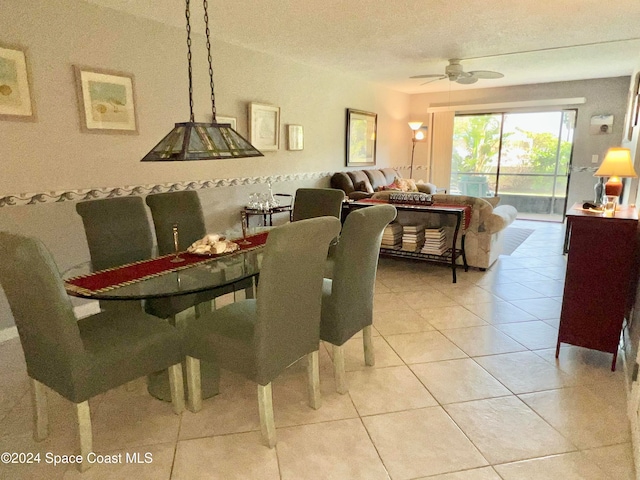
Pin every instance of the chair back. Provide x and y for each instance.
(317, 202)
(181, 208)
(350, 306)
(290, 294)
(117, 231)
(41, 309)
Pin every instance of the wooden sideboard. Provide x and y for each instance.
(600, 278)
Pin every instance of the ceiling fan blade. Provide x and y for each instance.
(429, 75)
(486, 74)
(434, 80)
(467, 80)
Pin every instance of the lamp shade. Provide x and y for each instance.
(201, 141)
(415, 125)
(616, 163)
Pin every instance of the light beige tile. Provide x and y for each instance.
(427, 299)
(569, 466)
(505, 429)
(615, 460)
(146, 463)
(405, 282)
(541, 308)
(354, 354)
(550, 288)
(581, 416)
(458, 381)
(14, 384)
(400, 321)
(337, 450)
(514, 291)
(487, 340)
(467, 293)
(443, 318)
(381, 287)
(421, 442)
(498, 312)
(424, 347)
(237, 456)
(533, 335)
(33, 471)
(524, 372)
(484, 473)
(376, 390)
(388, 301)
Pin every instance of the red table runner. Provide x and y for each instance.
(109, 279)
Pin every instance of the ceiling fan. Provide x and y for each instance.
(455, 73)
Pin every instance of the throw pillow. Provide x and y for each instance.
(408, 185)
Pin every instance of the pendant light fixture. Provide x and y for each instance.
(201, 141)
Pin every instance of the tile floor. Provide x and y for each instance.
(465, 386)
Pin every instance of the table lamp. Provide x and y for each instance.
(616, 164)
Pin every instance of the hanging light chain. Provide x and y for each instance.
(205, 4)
(187, 14)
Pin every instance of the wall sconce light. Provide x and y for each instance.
(418, 135)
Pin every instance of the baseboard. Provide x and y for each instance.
(81, 311)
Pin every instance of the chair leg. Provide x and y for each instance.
(40, 413)
(176, 386)
(338, 370)
(267, 422)
(313, 376)
(194, 385)
(83, 417)
(367, 341)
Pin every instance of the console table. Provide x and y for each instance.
(450, 256)
(600, 280)
(267, 213)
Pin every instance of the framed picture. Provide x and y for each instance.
(264, 126)
(601, 125)
(295, 137)
(361, 138)
(16, 102)
(231, 120)
(106, 101)
(633, 103)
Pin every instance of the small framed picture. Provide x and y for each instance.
(230, 120)
(295, 137)
(106, 101)
(601, 125)
(16, 101)
(361, 138)
(264, 126)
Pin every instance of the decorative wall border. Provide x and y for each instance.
(22, 199)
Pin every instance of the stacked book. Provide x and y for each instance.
(435, 241)
(392, 236)
(412, 238)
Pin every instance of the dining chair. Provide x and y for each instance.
(317, 202)
(183, 209)
(259, 338)
(79, 358)
(118, 233)
(347, 298)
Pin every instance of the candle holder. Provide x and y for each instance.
(177, 258)
(244, 220)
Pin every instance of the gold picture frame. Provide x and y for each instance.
(361, 138)
(295, 137)
(16, 93)
(106, 101)
(264, 127)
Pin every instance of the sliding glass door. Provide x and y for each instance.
(523, 157)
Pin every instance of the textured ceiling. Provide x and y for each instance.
(388, 41)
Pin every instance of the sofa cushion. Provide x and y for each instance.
(425, 187)
(494, 201)
(358, 177)
(342, 181)
(390, 175)
(377, 179)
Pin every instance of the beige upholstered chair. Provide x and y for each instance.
(317, 202)
(260, 338)
(347, 298)
(79, 359)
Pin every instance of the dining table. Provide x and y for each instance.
(172, 276)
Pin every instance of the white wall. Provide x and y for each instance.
(603, 96)
(52, 154)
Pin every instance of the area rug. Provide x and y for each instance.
(513, 238)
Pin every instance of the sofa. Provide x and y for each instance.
(359, 184)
